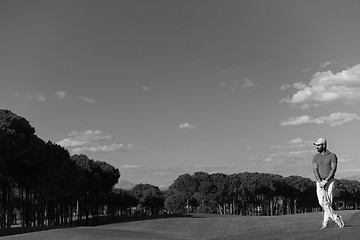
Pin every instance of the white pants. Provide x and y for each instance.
(325, 197)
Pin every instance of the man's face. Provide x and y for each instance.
(320, 148)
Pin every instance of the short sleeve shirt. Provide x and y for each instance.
(324, 163)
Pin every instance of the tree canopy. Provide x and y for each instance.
(42, 181)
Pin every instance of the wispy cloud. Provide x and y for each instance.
(325, 64)
(42, 97)
(83, 138)
(88, 100)
(295, 152)
(299, 86)
(290, 157)
(233, 82)
(61, 94)
(295, 143)
(70, 143)
(129, 166)
(186, 126)
(90, 141)
(89, 135)
(247, 83)
(285, 87)
(145, 89)
(103, 148)
(326, 87)
(333, 119)
(37, 96)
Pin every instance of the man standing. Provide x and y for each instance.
(324, 166)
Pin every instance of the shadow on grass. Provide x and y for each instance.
(103, 220)
(21, 230)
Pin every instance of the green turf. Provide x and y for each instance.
(214, 227)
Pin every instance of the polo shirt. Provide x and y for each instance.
(324, 163)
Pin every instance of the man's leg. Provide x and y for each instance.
(320, 192)
(325, 205)
(329, 211)
(329, 193)
(330, 186)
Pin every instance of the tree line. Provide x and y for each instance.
(253, 194)
(236, 194)
(41, 184)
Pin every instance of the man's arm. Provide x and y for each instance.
(316, 172)
(333, 170)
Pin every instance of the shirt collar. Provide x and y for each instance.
(326, 152)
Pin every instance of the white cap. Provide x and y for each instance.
(320, 141)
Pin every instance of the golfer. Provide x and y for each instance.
(324, 166)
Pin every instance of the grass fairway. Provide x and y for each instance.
(215, 227)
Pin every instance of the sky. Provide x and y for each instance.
(163, 88)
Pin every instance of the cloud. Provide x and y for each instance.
(294, 158)
(285, 87)
(89, 135)
(38, 96)
(88, 100)
(299, 86)
(68, 142)
(326, 87)
(186, 126)
(295, 143)
(231, 84)
(232, 80)
(89, 141)
(129, 166)
(325, 64)
(247, 83)
(333, 119)
(41, 97)
(296, 121)
(61, 94)
(293, 154)
(145, 89)
(104, 148)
